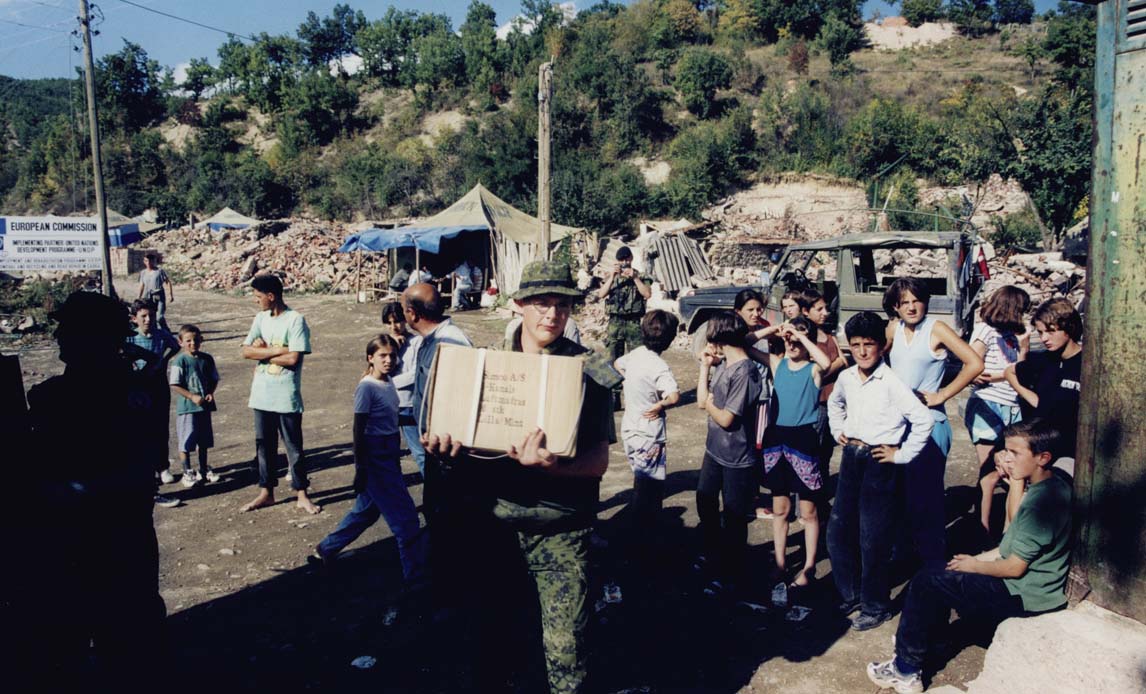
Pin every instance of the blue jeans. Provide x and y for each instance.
(932, 595)
(861, 529)
(925, 514)
(385, 497)
(414, 443)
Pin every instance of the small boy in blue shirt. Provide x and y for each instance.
(194, 378)
(149, 349)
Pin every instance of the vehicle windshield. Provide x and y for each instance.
(877, 268)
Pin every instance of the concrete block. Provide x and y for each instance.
(1087, 649)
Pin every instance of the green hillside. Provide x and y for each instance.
(724, 93)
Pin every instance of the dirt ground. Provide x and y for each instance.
(246, 609)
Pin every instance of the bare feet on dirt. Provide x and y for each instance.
(265, 498)
(306, 504)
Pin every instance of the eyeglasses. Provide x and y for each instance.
(543, 306)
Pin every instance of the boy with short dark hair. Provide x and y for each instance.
(1050, 383)
(881, 425)
(649, 389)
(194, 378)
(278, 341)
(1028, 574)
(149, 349)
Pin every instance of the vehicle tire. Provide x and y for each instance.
(699, 341)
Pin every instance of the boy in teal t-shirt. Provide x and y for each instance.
(278, 340)
(194, 378)
(1028, 576)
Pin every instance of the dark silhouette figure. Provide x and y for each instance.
(86, 601)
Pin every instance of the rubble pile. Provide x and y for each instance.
(304, 253)
(996, 197)
(1041, 275)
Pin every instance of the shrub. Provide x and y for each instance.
(700, 73)
(1017, 233)
(917, 12)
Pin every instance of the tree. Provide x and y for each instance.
(972, 17)
(917, 12)
(438, 60)
(700, 73)
(199, 78)
(384, 45)
(332, 37)
(1014, 11)
(1051, 158)
(1069, 44)
(127, 85)
(841, 37)
(479, 46)
(1031, 51)
(803, 18)
(318, 109)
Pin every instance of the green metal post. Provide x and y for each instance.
(1110, 480)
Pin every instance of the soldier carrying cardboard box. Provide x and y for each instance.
(544, 505)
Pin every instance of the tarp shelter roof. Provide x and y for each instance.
(481, 210)
(377, 240)
(227, 218)
(477, 210)
(121, 230)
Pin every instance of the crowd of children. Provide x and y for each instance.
(778, 399)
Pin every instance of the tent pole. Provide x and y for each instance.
(358, 280)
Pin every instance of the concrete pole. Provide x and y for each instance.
(544, 97)
(97, 160)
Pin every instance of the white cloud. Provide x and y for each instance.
(179, 71)
(351, 64)
(525, 24)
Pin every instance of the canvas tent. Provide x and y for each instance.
(513, 234)
(227, 218)
(121, 230)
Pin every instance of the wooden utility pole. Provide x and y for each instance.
(1109, 554)
(544, 97)
(97, 161)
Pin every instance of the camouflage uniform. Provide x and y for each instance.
(625, 307)
(552, 517)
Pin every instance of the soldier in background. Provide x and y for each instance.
(625, 292)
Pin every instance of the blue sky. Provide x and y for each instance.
(43, 48)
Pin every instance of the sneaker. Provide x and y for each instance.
(886, 676)
(190, 478)
(866, 621)
(848, 607)
(211, 476)
(167, 501)
(166, 477)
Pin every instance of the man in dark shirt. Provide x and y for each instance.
(544, 503)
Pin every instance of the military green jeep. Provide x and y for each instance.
(853, 271)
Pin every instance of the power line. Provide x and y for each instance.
(188, 21)
(32, 26)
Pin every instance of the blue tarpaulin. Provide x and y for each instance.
(376, 240)
(124, 235)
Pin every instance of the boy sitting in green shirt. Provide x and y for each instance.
(1028, 576)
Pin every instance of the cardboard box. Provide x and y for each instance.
(490, 400)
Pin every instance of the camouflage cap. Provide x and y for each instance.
(546, 277)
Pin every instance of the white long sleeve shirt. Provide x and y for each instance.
(878, 411)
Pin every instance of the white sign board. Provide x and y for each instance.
(49, 243)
